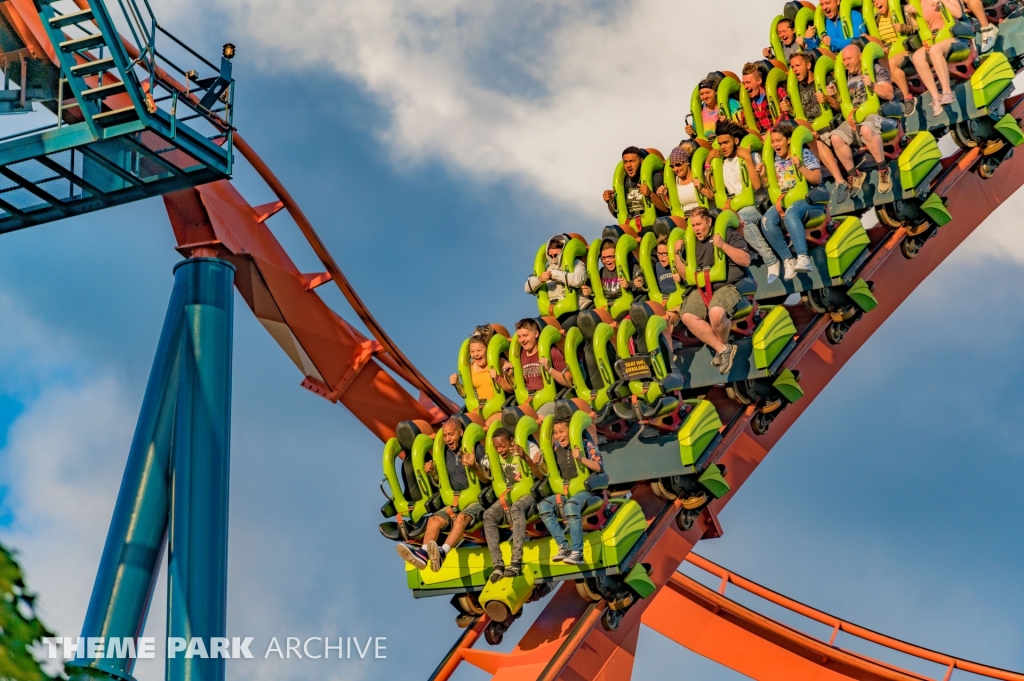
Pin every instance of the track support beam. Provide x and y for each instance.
(176, 483)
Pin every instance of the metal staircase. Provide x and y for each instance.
(124, 129)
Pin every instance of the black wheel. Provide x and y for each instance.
(760, 423)
(494, 633)
(611, 618)
(815, 302)
(910, 247)
(468, 604)
(685, 520)
(836, 331)
(987, 167)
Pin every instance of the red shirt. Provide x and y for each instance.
(532, 370)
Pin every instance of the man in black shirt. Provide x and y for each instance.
(637, 193)
(803, 68)
(716, 302)
(456, 462)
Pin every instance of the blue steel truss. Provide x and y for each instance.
(125, 129)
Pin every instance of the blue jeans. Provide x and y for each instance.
(794, 219)
(571, 508)
(751, 220)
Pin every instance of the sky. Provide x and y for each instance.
(435, 145)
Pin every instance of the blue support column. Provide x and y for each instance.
(131, 556)
(198, 540)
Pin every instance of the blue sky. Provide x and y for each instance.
(435, 146)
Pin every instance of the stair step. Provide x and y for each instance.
(93, 67)
(85, 43)
(71, 19)
(116, 116)
(104, 91)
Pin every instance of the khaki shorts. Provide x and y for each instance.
(853, 137)
(475, 511)
(726, 297)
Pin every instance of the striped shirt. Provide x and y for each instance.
(886, 30)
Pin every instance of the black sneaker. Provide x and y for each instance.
(574, 558)
(436, 555)
(497, 573)
(513, 571)
(414, 556)
(725, 358)
(563, 553)
(841, 193)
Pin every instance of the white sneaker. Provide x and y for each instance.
(988, 37)
(773, 272)
(788, 269)
(803, 264)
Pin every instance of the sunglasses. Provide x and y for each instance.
(678, 165)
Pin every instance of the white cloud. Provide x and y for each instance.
(549, 92)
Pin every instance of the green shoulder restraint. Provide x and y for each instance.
(822, 68)
(651, 164)
(577, 427)
(458, 500)
(574, 250)
(549, 335)
(403, 508)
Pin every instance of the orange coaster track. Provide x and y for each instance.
(567, 641)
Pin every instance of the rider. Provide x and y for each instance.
(686, 181)
(696, 312)
(557, 280)
(835, 37)
(868, 133)
(753, 83)
(931, 57)
(707, 90)
(611, 283)
(512, 459)
(802, 65)
(636, 191)
(787, 169)
(791, 42)
(569, 460)
(534, 366)
(455, 521)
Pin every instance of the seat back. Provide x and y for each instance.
(650, 337)
(577, 429)
(574, 249)
(412, 490)
(867, 10)
(549, 336)
(731, 90)
(471, 435)
(653, 162)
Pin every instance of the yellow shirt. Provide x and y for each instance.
(886, 30)
(482, 384)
